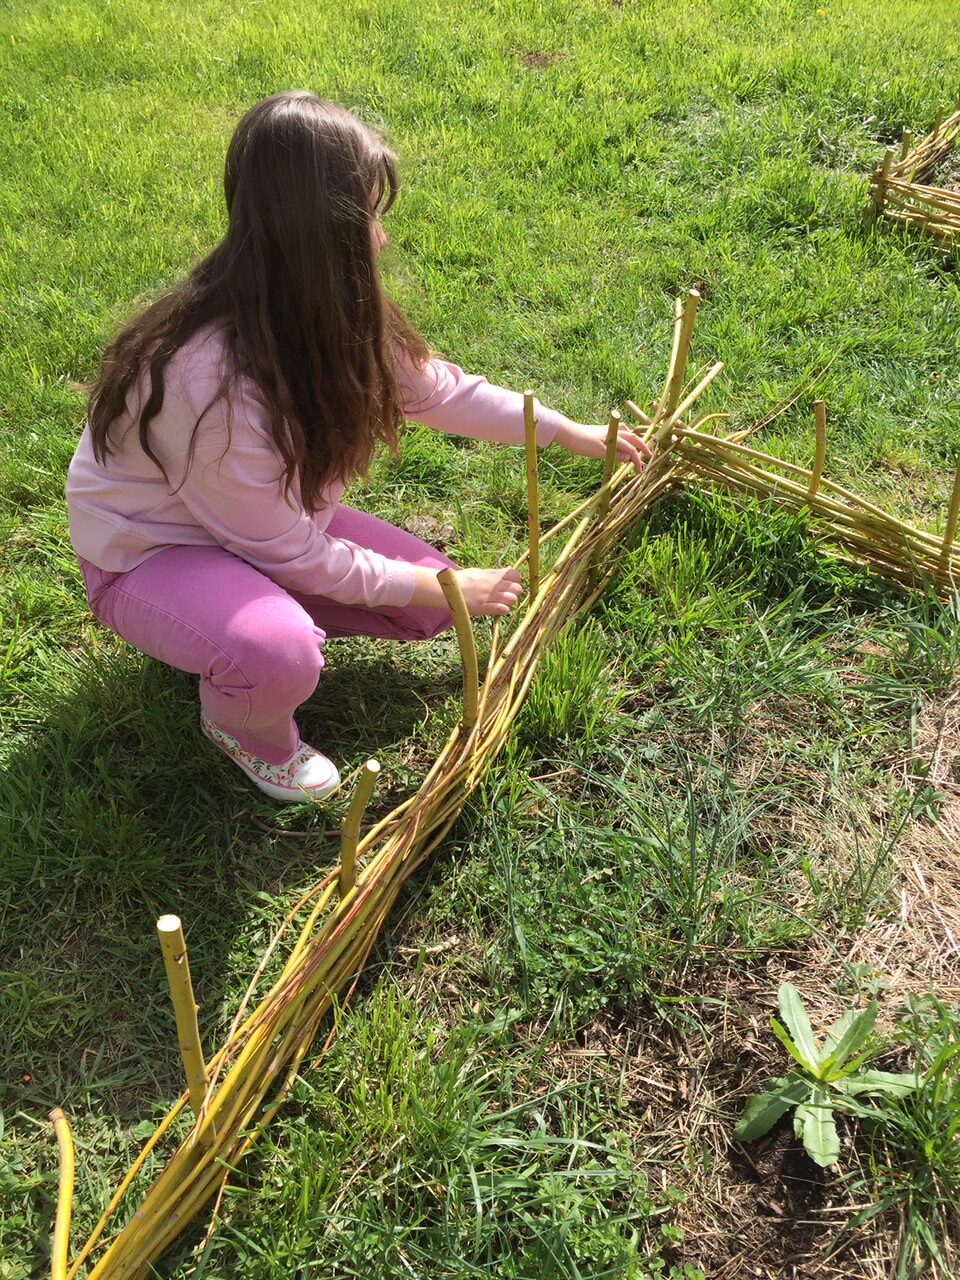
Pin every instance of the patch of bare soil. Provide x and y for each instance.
(777, 1199)
(534, 60)
(439, 534)
(760, 1211)
(947, 173)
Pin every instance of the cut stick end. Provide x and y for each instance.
(372, 766)
(169, 924)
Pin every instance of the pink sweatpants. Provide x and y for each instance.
(255, 645)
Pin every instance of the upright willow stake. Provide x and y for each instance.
(820, 451)
(350, 827)
(669, 410)
(533, 493)
(468, 647)
(685, 319)
(609, 458)
(61, 1230)
(880, 179)
(905, 144)
(174, 948)
(609, 462)
(952, 516)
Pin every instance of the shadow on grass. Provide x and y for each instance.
(116, 810)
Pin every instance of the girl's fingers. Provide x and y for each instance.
(627, 453)
(635, 440)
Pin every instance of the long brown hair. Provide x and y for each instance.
(295, 285)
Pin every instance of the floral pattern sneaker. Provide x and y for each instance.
(307, 775)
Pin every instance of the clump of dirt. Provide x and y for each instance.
(438, 533)
(535, 60)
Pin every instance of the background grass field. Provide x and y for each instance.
(743, 767)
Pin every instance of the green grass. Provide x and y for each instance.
(541, 1068)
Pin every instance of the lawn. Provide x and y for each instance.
(743, 768)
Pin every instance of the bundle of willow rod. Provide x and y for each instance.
(247, 1079)
(898, 188)
(861, 530)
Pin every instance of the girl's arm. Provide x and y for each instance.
(442, 396)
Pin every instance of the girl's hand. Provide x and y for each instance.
(490, 591)
(591, 442)
(485, 591)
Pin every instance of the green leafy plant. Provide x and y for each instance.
(825, 1077)
(911, 1170)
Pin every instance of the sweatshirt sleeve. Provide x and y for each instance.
(236, 494)
(441, 395)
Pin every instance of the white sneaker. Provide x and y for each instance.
(307, 775)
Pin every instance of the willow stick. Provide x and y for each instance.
(918, 203)
(350, 828)
(937, 198)
(953, 513)
(609, 461)
(468, 647)
(683, 334)
(944, 229)
(689, 400)
(657, 407)
(533, 492)
(880, 179)
(643, 418)
(61, 1231)
(185, 1008)
(719, 447)
(495, 629)
(905, 144)
(820, 451)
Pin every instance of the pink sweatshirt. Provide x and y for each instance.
(122, 513)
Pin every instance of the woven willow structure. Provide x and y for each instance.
(241, 1088)
(899, 187)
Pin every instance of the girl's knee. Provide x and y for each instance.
(275, 643)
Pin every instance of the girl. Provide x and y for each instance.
(227, 418)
